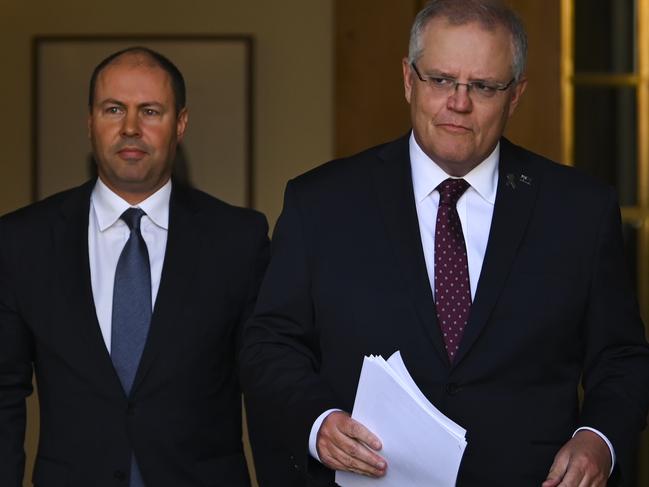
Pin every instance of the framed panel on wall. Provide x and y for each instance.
(217, 152)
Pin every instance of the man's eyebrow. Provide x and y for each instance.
(442, 74)
(438, 73)
(151, 103)
(112, 101)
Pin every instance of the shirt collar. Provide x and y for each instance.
(427, 175)
(108, 206)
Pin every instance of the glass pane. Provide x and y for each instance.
(605, 36)
(631, 235)
(605, 137)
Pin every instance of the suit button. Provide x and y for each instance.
(119, 475)
(130, 409)
(452, 388)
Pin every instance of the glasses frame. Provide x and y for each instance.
(470, 86)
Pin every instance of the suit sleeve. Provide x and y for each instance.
(15, 374)
(616, 368)
(280, 358)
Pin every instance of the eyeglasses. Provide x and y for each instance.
(445, 85)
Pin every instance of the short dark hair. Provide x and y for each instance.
(489, 13)
(177, 80)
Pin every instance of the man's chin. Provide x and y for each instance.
(134, 186)
(455, 162)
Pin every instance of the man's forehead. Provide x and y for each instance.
(135, 58)
(472, 40)
(129, 83)
(128, 63)
(445, 23)
(134, 68)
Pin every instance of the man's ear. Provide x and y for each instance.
(407, 78)
(181, 124)
(519, 89)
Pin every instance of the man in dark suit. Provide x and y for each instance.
(498, 274)
(126, 296)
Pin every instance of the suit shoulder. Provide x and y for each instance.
(42, 212)
(350, 168)
(231, 214)
(559, 177)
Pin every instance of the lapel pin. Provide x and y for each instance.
(511, 181)
(526, 179)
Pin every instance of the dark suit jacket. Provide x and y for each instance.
(347, 278)
(183, 417)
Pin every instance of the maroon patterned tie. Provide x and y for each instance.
(452, 290)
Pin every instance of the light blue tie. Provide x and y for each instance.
(131, 311)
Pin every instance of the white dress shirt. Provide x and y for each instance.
(475, 209)
(107, 235)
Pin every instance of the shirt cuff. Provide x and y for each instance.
(313, 437)
(603, 437)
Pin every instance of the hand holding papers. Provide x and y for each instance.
(342, 444)
(421, 445)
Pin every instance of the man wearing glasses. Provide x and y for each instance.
(498, 274)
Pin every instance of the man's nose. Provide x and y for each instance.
(460, 100)
(131, 125)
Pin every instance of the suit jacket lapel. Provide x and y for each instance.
(70, 235)
(181, 258)
(393, 183)
(515, 197)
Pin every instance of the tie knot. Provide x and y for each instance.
(450, 191)
(132, 218)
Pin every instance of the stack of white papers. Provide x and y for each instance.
(421, 446)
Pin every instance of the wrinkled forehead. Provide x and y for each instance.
(474, 45)
(467, 25)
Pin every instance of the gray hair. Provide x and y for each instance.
(489, 13)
